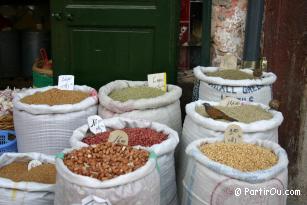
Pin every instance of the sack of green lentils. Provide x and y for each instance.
(114, 173)
(198, 126)
(217, 173)
(134, 99)
(215, 84)
(20, 186)
(45, 118)
(151, 136)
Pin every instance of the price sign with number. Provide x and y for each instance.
(233, 134)
(157, 80)
(96, 125)
(66, 82)
(118, 137)
(230, 102)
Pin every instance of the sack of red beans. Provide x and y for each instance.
(151, 136)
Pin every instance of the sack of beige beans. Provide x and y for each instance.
(45, 118)
(227, 182)
(18, 187)
(110, 173)
(197, 125)
(164, 151)
(164, 108)
(213, 86)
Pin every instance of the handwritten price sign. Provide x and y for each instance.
(118, 137)
(66, 82)
(230, 102)
(157, 80)
(233, 134)
(96, 124)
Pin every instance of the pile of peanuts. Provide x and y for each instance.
(106, 160)
(244, 157)
(145, 137)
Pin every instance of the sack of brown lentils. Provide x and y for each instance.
(259, 178)
(214, 84)
(25, 192)
(134, 99)
(45, 118)
(116, 173)
(151, 136)
(196, 126)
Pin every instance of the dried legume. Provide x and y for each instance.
(135, 93)
(18, 171)
(231, 74)
(242, 113)
(55, 96)
(244, 157)
(106, 160)
(137, 136)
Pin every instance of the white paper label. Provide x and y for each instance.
(94, 200)
(34, 163)
(157, 80)
(230, 102)
(96, 125)
(118, 137)
(66, 82)
(233, 134)
(229, 61)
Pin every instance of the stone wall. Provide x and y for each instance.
(227, 28)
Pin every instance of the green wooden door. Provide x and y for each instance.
(99, 41)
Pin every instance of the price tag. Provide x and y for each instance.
(229, 61)
(66, 82)
(34, 163)
(94, 200)
(157, 80)
(118, 137)
(96, 125)
(233, 134)
(230, 102)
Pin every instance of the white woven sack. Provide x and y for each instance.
(164, 152)
(164, 109)
(196, 127)
(216, 88)
(136, 188)
(27, 193)
(47, 129)
(208, 182)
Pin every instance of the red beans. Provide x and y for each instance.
(137, 136)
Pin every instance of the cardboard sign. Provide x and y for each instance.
(230, 102)
(34, 163)
(233, 134)
(66, 82)
(94, 200)
(229, 61)
(95, 124)
(119, 137)
(157, 80)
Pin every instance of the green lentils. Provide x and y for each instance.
(231, 74)
(242, 113)
(244, 157)
(135, 93)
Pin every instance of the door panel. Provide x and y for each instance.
(104, 40)
(116, 50)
